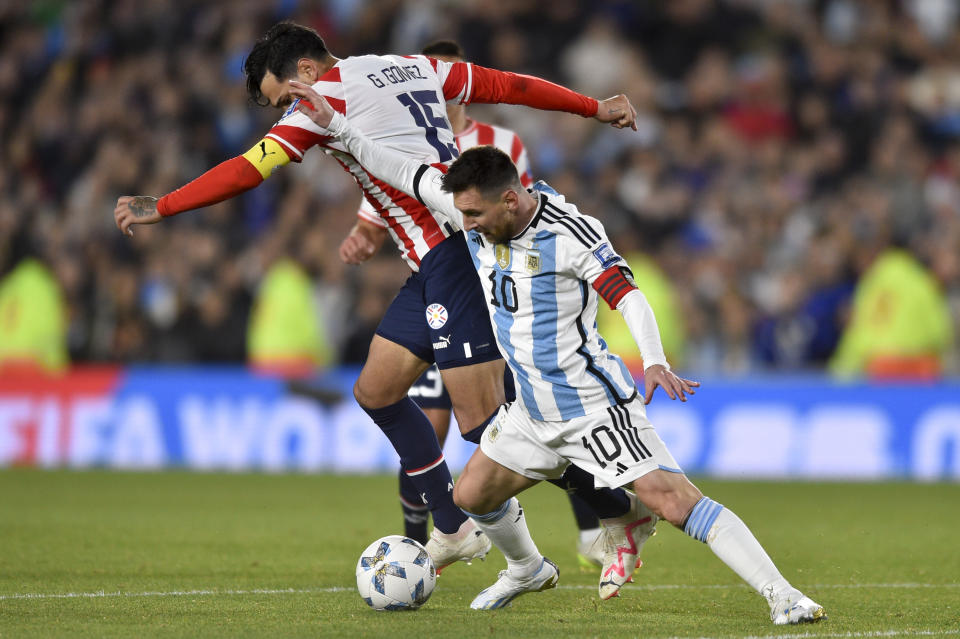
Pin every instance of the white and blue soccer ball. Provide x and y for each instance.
(395, 573)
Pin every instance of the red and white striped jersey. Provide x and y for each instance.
(476, 134)
(481, 134)
(399, 101)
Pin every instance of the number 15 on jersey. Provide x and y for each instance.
(418, 104)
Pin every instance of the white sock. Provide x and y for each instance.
(730, 540)
(507, 529)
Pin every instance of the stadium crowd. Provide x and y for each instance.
(785, 149)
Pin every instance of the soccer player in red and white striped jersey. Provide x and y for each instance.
(428, 391)
(398, 101)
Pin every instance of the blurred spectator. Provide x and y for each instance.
(379, 281)
(285, 335)
(802, 330)
(900, 324)
(32, 320)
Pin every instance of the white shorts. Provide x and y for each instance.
(616, 445)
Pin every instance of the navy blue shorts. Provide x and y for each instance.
(440, 315)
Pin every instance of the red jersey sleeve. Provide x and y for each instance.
(480, 84)
(220, 183)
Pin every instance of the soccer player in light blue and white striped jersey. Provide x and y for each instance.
(544, 267)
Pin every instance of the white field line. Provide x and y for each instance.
(845, 635)
(172, 593)
(297, 591)
(906, 585)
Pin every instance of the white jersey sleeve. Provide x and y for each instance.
(593, 259)
(414, 178)
(642, 323)
(587, 250)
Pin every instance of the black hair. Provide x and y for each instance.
(278, 51)
(487, 168)
(444, 47)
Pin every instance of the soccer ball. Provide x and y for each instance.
(395, 573)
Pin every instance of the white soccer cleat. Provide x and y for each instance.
(505, 589)
(469, 542)
(623, 541)
(796, 608)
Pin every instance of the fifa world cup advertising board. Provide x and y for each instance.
(230, 419)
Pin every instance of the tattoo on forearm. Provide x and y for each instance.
(143, 205)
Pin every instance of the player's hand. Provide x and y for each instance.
(135, 209)
(356, 248)
(321, 113)
(674, 386)
(618, 112)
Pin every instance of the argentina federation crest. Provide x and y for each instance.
(503, 255)
(532, 263)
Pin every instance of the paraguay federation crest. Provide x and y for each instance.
(436, 316)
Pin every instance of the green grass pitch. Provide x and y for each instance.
(105, 554)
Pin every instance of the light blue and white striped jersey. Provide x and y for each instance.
(544, 310)
(538, 288)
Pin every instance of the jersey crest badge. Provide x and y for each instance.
(605, 255)
(436, 316)
(533, 262)
(291, 108)
(503, 255)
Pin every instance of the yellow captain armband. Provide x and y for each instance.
(266, 155)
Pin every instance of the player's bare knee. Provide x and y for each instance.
(473, 498)
(464, 497)
(372, 399)
(362, 398)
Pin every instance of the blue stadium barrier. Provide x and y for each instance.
(230, 419)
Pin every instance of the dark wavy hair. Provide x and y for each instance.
(278, 51)
(487, 168)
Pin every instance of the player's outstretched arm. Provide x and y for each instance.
(224, 181)
(642, 323)
(135, 209)
(491, 86)
(414, 178)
